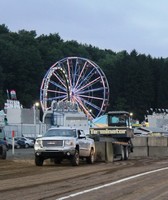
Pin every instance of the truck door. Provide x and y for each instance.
(83, 143)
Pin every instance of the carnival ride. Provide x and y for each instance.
(78, 80)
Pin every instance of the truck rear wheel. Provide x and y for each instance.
(91, 158)
(124, 153)
(75, 158)
(39, 161)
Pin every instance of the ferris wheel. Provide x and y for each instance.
(77, 80)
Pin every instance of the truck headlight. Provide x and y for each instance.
(69, 143)
(39, 143)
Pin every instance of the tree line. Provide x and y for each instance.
(137, 81)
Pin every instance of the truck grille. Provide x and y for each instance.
(52, 143)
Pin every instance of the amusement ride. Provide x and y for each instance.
(77, 80)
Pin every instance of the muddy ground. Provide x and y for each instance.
(21, 179)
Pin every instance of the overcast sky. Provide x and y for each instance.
(107, 24)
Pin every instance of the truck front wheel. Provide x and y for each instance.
(39, 161)
(75, 158)
(91, 158)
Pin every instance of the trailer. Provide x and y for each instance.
(118, 131)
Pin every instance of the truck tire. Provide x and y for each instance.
(124, 153)
(75, 158)
(3, 152)
(39, 161)
(91, 158)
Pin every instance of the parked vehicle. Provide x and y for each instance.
(10, 143)
(28, 142)
(21, 143)
(3, 149)
(31, 138)
(3, 145)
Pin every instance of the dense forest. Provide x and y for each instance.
(137, 81)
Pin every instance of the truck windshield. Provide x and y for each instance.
(118, 120)
(61, 133)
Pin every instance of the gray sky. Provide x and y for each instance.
(107, 24)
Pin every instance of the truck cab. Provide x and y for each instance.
(119, 118)
(118, 131)
(118, 125)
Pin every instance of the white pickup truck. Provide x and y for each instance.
(60, 143)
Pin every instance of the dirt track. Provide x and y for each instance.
(19, 176)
